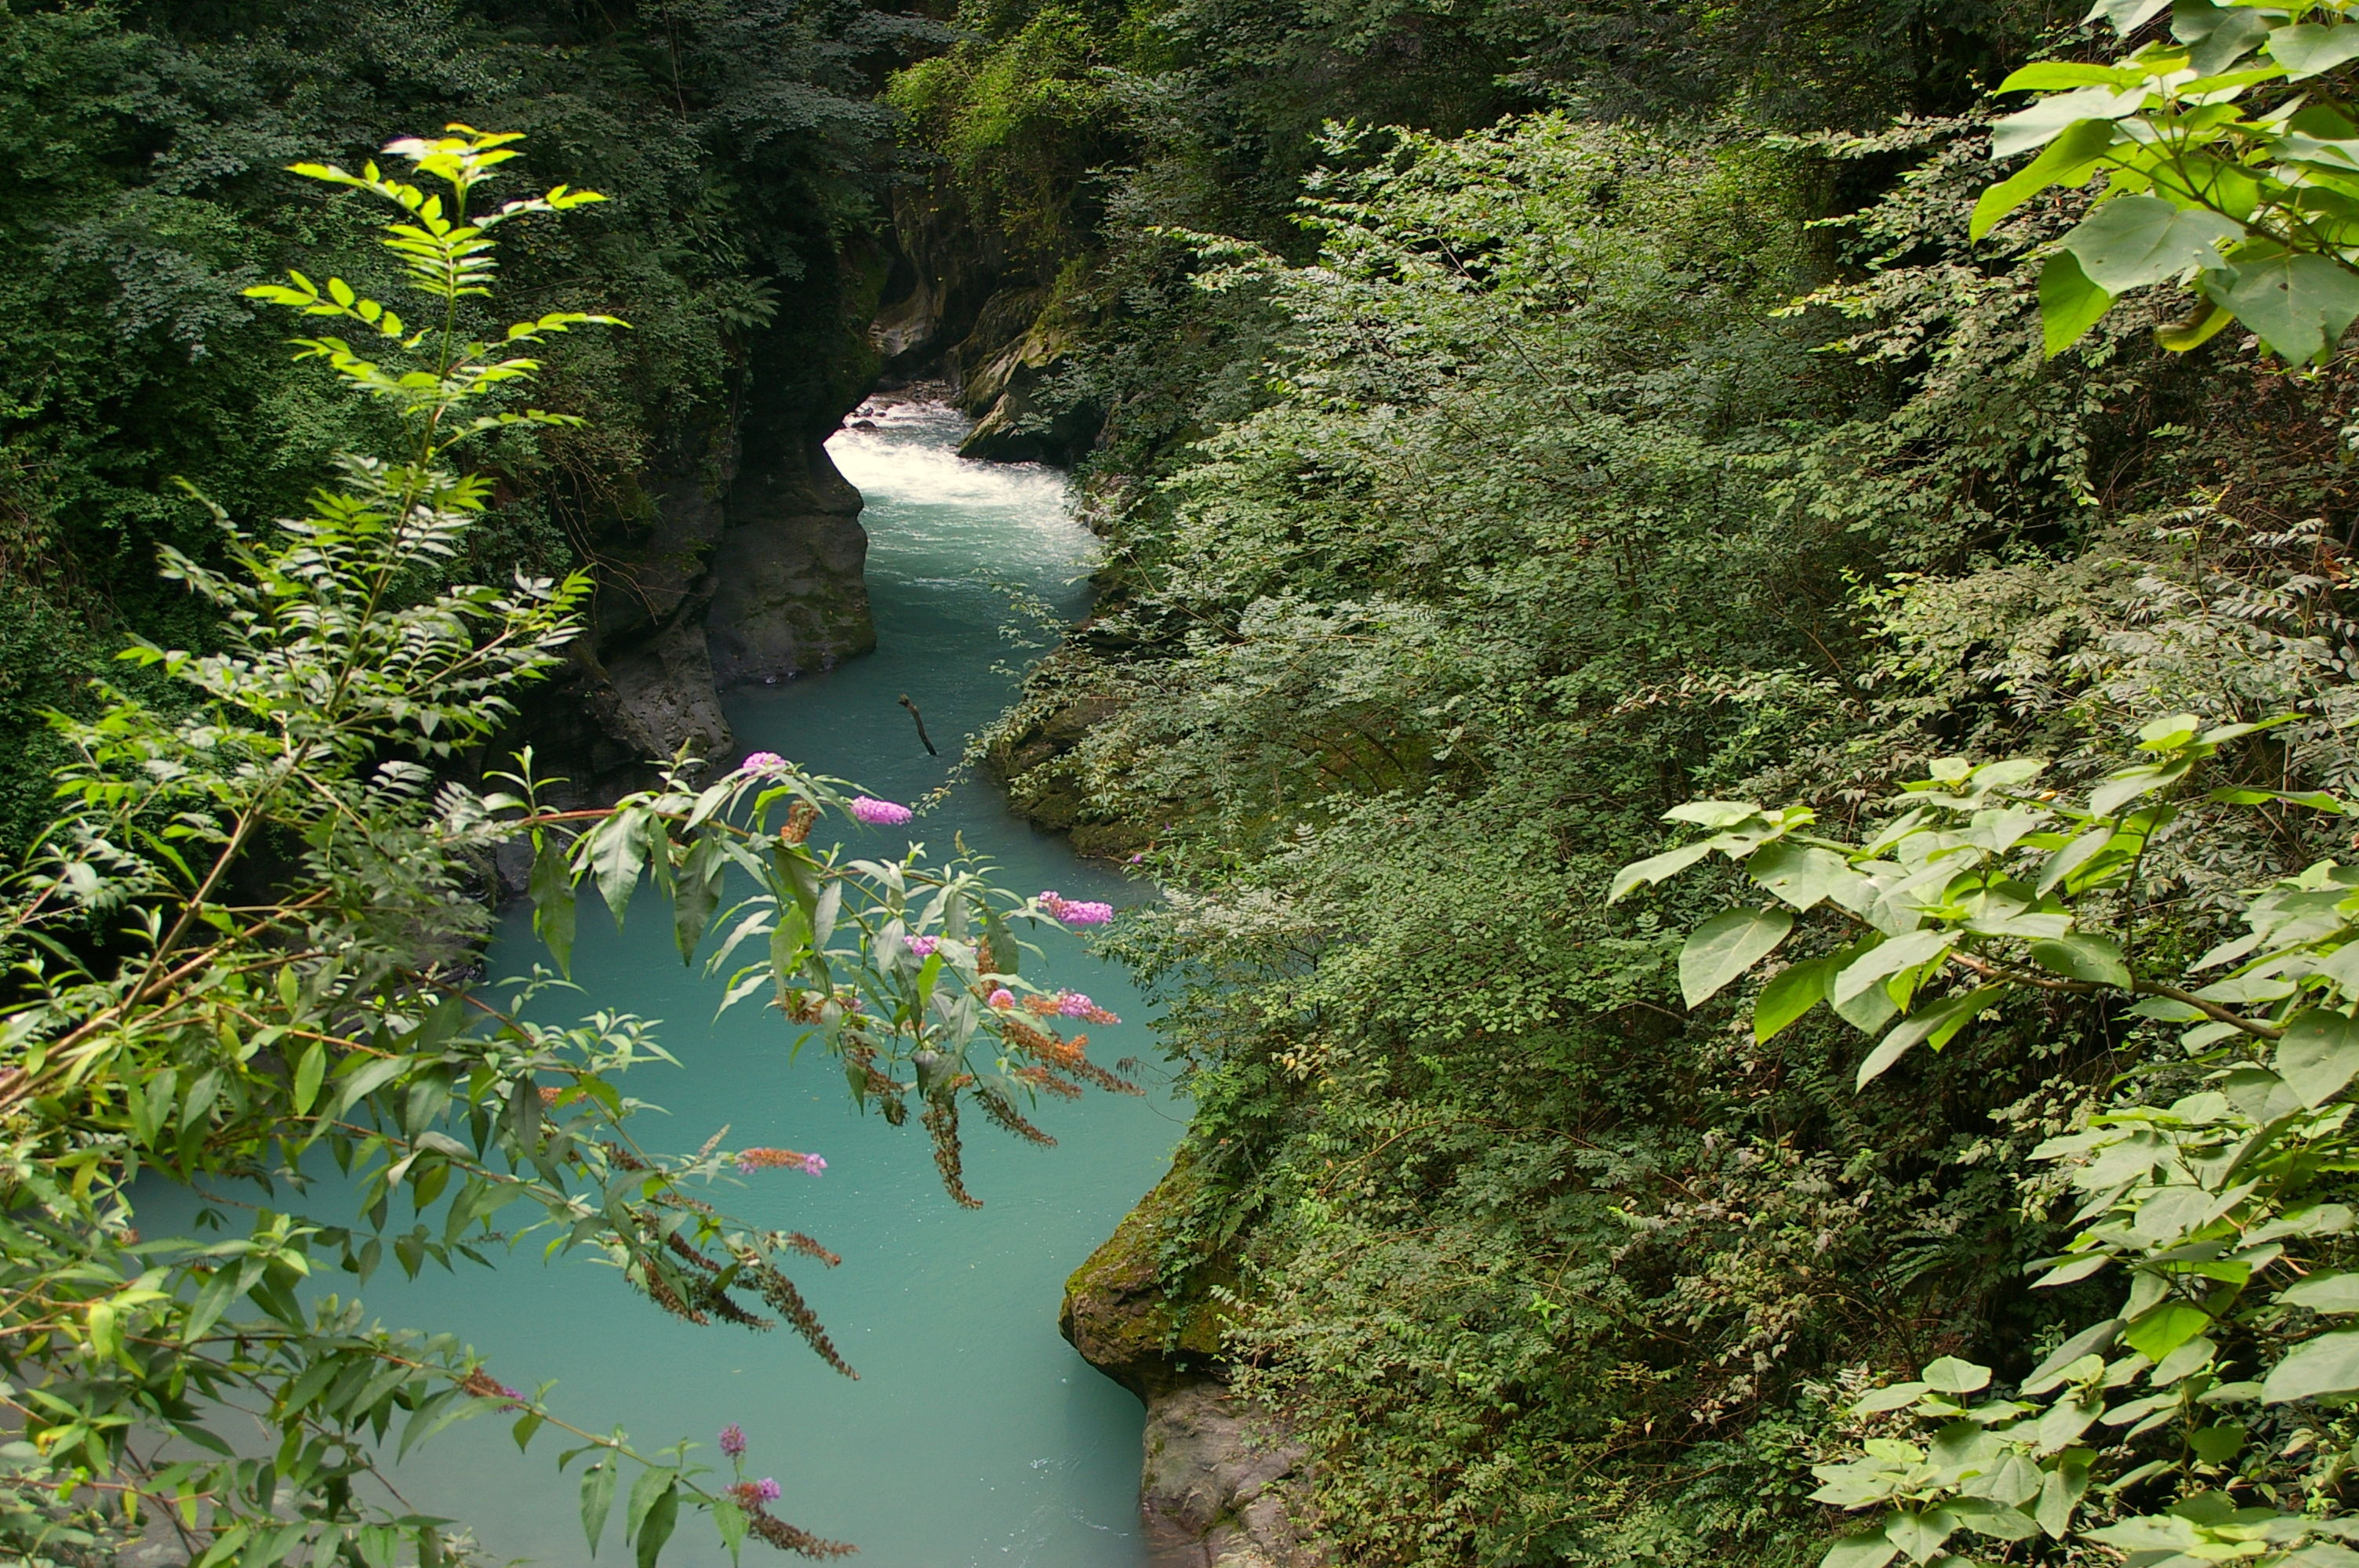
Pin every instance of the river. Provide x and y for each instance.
(974, 1435)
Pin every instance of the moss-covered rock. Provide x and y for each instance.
(1126, 1318)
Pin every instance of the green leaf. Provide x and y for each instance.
(597, 1501)
(1935, 1026)
(2057, 75)
(2093, 959)
(1789, 993)
(2126, 15)
(2156, 1333)
(2134, 241)
(2205, 323)
(697, 893)
(656, 1527)
(1892, 1397)
(1872, 1549)
(1952, 1375)
(309, 1068)
(2332, 1292)
(1639, 873)
(2300, 304)
(2326, 1365)
(1806, 876)
(652, 1484)
(1726, 946)
(2319, 1056)
(2093, 1340)
(2311, 50)
(1003, 954)
(2045, 121)
(1888, 959)
(552, 891)
(2070, 160)
(2068, 303)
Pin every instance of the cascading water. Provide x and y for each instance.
(974, 1435)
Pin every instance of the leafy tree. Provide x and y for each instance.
(2227, 151)
(2204, 1417)
(243, 950)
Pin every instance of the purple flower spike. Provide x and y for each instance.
(733, 1440)
(767, 1490)
(923, 946)
(880, 813)
(763, 763)
(813, 1165)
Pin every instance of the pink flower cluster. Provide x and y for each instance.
(733, 1440)
(880, 813)
(763, 763)
(780, 1159)
(1074, 912)
(1002, 996)
(923, 946)
(1067, 1004)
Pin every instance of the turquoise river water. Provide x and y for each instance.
(974, 1435)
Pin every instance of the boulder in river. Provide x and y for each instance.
(1221, 1482)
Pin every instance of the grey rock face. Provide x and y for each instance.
(788, 593)
(1214, 1492)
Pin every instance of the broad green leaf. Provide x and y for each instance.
(1892, 1397)
(2068, 160)
(2315, 1369)
(1871, 1550)
(2205, 323)
(2311, 50)
(1888, 959)
(2057, 75)
(1726, 946)
(1806, 876)
(2319, 1056)
(1654, 868)
(1952, 1375)
(2090, 1341)
(1921, 1535)
(1713, 814)
(597, 1500)
(2094, 959)
(2300, 304)
(2155, 1334)
(2324, 1291)
(2132, 241)
(1934, 1025)
(2126, 15)
(2045, 121)
(2068, 303)
(1789, 993)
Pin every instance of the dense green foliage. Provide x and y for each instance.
(140, 150)
(1586, 468)
(241, 957)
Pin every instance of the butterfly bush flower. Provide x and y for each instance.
(767, 1490)
(1002, 996)
(1074, 912)
(733, 1440)
(880, 813)
(763, 763)
(923, 946)
(780, 1159)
